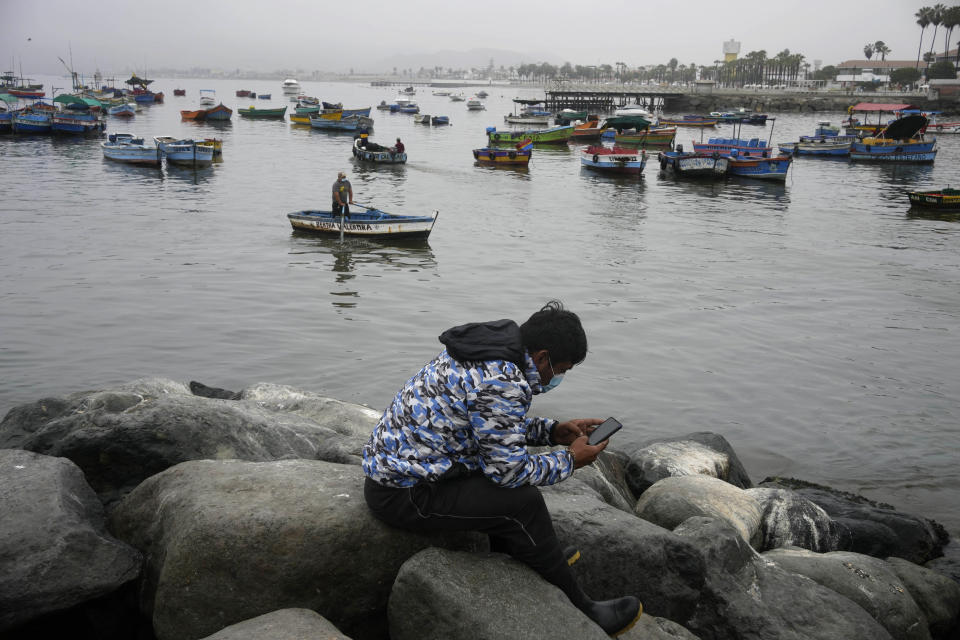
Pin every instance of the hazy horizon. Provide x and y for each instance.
(121, 36)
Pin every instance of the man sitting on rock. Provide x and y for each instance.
(450, 452)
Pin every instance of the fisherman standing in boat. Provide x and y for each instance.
(342, 195)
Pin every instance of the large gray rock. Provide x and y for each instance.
(55, 551)
(790, 520)
(227, 540)
(937, 595)
(872, 528)
(672, 500)
(624, 555)
(653, 628)
(286, 624)
(701, 453)
(745, 596)
(122, 436)
(441, 594)
(870, 582)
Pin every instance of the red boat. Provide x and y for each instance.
(199, 114)
(242, 93)
(26, 93)
(179, 92)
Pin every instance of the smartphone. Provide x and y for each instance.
(603, 431)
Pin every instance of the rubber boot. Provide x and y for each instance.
(615, 616)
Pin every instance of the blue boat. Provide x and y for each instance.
(410, 108)
(371, 223)
(723, 146)
(79, 116)
(762, 168)
(263, 96)
(693, 164)
(185, 152)
(438, 120)
(6, 117)
(37, 118)
(353, 123)
(125, 147)
(900, 141)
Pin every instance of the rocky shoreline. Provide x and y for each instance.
(148, 511)
(800, 103)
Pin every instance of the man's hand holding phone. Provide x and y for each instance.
(585, 449)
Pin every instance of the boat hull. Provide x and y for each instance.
(556, 135)
(32, 123)
(694, 165)
(265, 114)
(368, 224)
(621, 163)
(652, 137)
(907, 152)
(132, 154)
(76, 125)
(502, 157)
(830, 146)
(185, 152)
(941, 200)
(382, 156)
(773, 169)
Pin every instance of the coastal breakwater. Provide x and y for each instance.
(158, 509)
(798, 103)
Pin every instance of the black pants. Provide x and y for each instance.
(516, 520)
(344, 208)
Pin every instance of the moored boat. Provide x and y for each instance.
(369, 151)
(613, 160)
(125, 147)
(474, 104)
(77, 119)
(243, 93)
(125, 110)
(939, 199)
(567, 116)
(263, 96)
(589, 130)
(36, 118)
(554, 135)
(659, 137)
(691, 164)
(819, 146)
(185, 152)
(219, 112)
(439, 120)
(352, 123)
(900, 141)
(179, 92)
(422, 118)
(371, 223)
(773, 168)
(253, 112)
(519, 155)
(291, 87)
(688, 121)
(208, 97)
(198, 114)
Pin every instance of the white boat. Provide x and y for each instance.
(402, 100)
(441, 92)
(186, 152)
(457, 97)
(291, 87)
(634, 110)
(208, 97)
(124, 147)
(474, 104)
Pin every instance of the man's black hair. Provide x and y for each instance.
(558, 331)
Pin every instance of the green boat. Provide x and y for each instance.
(567, 116)
(253, 112)
(555, 135)
(627, 122)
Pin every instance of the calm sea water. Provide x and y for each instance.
(814, 324)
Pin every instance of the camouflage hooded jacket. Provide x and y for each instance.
(457, 414)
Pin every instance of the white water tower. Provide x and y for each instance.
(731, 49)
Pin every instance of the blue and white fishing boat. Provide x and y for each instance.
(185, 152)
(353, 123)
(124, 110)
(79, 116)
(371, 223)
(837, 146)
(773, 168)
(723, 146)
(900, 141)
(125, 147)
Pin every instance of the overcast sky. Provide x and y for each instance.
(266, 35)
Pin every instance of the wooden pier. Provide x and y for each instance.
(607, 100)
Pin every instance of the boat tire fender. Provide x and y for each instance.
(596, 158)
(493, 155)
(496, 136)
(513, 155)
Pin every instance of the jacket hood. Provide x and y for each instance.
(477, 341)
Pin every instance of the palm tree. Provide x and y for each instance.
(951, 20)
(868, 51)
(880, 47)
(936, 19)
(923, 20)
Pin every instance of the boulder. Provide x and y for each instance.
(746, 596)
(949, 563)
(285, 624)
(871, 528)
(624, 555)
(702, 453)
(790, 520)
(937, 595)
(442, 594)
(672, 500)
(122, 436)
(55, 551)
(870, 582)
(227, 540)
(653, 628)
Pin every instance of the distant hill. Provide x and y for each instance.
(474, 58)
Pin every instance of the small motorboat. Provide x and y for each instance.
(937, 200)
(185, 152)
(125, 147)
